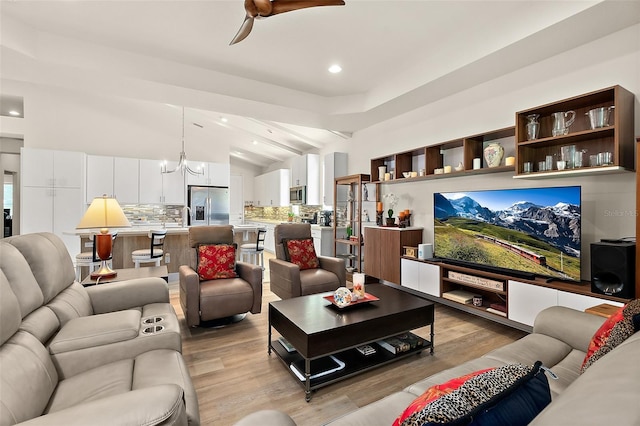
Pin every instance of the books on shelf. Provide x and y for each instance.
(477, 281)
(460, 296)
(401, 343)
(318, 368)
(498, 309)
(285, 344)
(497, 312)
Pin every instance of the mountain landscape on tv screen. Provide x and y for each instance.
(525, 236)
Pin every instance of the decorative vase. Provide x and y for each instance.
(493, 154)
(381, 172)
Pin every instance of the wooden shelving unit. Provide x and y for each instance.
(617, 138)
(451, 153)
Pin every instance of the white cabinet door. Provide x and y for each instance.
(410, 274)
(281, 196)
(125, 180)
(68, 209)
(37, 167)
(68, 171)
(258, 190)
(581, 302)
(219, 174)
(298, 171)
(100, 177)
(316, 234)
(202, 179)
(526, 301)
(36, 209)
(173, 186)
(430, 279)
(335, 165)
(150, 182)
(236, 201)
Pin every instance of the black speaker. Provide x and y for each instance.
(613, 269)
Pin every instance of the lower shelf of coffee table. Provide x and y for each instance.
(355, 362)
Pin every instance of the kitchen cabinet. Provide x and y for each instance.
(383, 249)
(316, 234)
(113, 176)
(99, 177)
(52, 193)
(335, 165)
(160, 188)
(173, 186)
(150, 182)
(420, 276)
(305, 171)
(125, 180)
(616, 138)
(213, 174)
(272, 189)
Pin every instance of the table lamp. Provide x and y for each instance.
(103, 213)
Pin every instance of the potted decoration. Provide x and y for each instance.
(392, 199)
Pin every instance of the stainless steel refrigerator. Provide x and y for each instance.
(209, 205)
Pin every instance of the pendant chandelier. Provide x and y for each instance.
(183, 166)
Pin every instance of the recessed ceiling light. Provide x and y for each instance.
(335, 68)
(223, 119)
(14, 113)
(255, 142)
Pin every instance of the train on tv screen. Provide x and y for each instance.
(525, 232)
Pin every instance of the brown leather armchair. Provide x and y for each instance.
(288, 281)
(209, 300)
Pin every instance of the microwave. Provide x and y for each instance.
(298, 195)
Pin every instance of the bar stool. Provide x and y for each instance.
(254, 251)
(154, 252)
(90, 258)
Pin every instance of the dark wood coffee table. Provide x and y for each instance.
(316, 329)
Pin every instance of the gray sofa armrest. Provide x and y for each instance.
(156, 405)
(253, 275)
(335, 265)
(128, 294)
(575, 328)
(285, 276)
(190, 294)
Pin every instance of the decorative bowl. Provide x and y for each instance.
(342, 297)
(406, 174)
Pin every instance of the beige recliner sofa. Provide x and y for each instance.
(108, 354)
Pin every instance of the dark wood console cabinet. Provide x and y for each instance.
(383, 250)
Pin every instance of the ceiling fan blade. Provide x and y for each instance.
(244, 30)
(282, 6)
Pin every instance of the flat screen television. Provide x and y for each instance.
(526, 232)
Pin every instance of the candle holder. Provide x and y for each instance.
(379, 217)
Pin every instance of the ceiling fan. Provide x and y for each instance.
(257, 9)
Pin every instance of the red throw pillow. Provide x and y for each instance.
(216, 261)
(433, 393)
(601, 336)
(302, 253)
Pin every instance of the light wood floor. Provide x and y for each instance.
(233, 374)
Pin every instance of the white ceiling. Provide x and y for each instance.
(274, 85)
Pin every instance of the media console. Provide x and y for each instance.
(506, 299)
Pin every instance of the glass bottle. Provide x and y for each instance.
(533, 126)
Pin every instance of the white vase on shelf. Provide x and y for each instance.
(493, 154)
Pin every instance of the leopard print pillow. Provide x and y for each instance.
(624, 328)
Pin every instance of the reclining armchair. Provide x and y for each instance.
(212, 299)
(290, 280)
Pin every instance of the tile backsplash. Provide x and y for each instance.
(153, 213)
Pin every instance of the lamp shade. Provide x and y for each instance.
(104, 212)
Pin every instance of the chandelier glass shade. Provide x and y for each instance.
(183, 165)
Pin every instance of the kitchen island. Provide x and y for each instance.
(175, 245)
